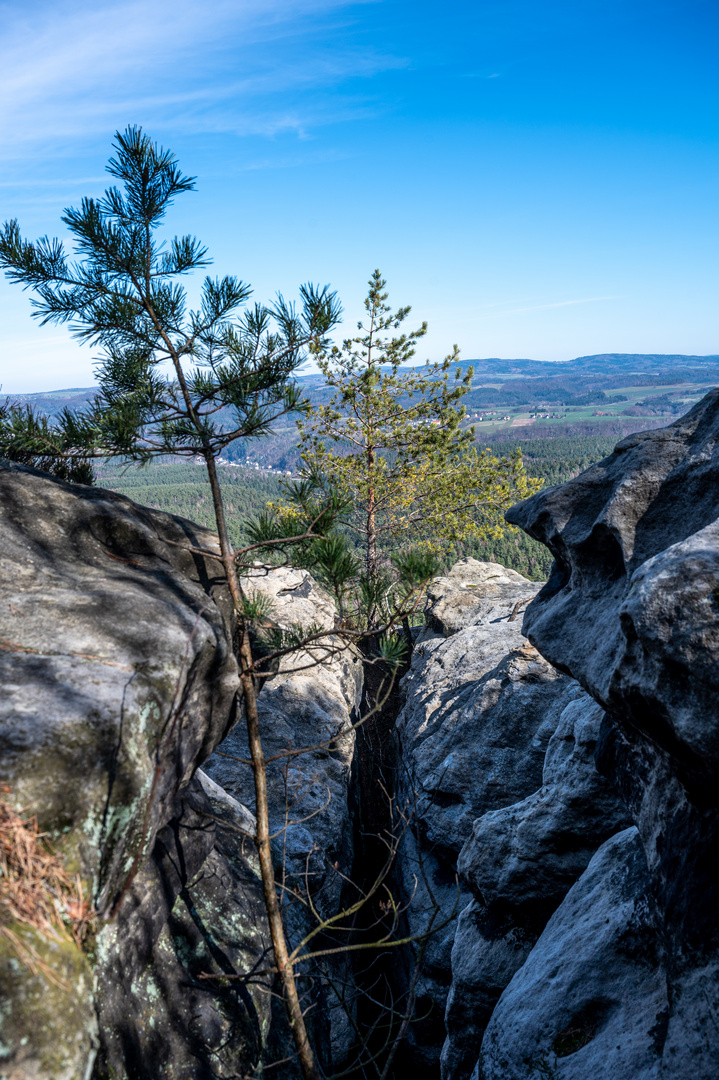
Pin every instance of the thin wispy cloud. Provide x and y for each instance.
(76, 70)
(546, 307)
(485, 312)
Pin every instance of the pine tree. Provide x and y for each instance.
(230, 376)
(392, 440)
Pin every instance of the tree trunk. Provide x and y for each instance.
(371, 537)
(259, 770)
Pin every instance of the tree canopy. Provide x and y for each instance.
(392, 441)
(172, 379)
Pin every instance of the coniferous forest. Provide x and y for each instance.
(181, 489)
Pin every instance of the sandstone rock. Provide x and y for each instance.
(294, 596)
(520, 862)
(486, 952)
(591, 999)
(474, 591)
(633, 589)
(526, 856)
(181, 990)
(479, 709)
(630, 610)
(48, 1023)
(118, 681)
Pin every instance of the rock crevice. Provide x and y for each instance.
(556, 754)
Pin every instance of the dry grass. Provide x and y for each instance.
(35, 890)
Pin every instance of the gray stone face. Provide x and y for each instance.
(633, 590)
(476, 592)
(631, 612)
(520, 862)
(480, 706)
(591, 998)
(118, 680)
(525, 857)
(104, 625)
(573, 947)
(294, 596)
(193, 916)
(311, 702)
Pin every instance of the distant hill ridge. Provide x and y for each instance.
(604, 365)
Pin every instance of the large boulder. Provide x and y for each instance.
(473, 591)
(119, 681)
(519, 863)
(480, 706)
(632, 594)
(631, 611)
(591, 999)
(116, 667)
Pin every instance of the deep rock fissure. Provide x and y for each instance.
(372, 795)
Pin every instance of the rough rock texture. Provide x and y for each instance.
(475, 591)
(631, 611)
(118, 680)
(93, 688)
(194, 910)
(48, 1026)
(591, 1000)
(527, 855)
(480, 705)
(519, 863)
(309, 794)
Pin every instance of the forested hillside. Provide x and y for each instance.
(609, 395)
(182, 489)
(555, 461)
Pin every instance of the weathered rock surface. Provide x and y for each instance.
(576, 946)
(591, 999)
(480, 706)
(519, 863)
(631, 611)
(119, 681)
(193, 915)
(633, 589)
(527, 855)
(474, 591)
(115, 664)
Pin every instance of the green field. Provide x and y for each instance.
(523, 419)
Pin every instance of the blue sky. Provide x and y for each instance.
(537, 179)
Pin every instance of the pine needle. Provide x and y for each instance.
(35, 890)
